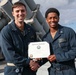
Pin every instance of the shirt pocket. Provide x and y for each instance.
(63, 44)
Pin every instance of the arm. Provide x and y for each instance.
(70, 53)
(11, 54)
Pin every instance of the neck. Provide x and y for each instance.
(53, 30)
(20, 25)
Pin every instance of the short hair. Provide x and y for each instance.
(51, 10)
(18, 4)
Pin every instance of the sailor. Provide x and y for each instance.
(15, 39)
(62, 45)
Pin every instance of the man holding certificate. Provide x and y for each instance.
(14, 43)
(63, 46)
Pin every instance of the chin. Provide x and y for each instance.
(52, 25)
(21, 20)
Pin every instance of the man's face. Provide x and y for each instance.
(19, 13)
(52, 19)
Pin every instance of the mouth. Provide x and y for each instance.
(52, 23)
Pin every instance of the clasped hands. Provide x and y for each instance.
(34, 65)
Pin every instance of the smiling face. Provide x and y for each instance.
(19, 14)
(52, 19)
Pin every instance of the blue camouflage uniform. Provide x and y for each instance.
(64, 47)
(15, 49)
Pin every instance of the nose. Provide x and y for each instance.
(52, 19)
(20, 12)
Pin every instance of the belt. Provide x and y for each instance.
(10, 64)
(62, 68)
(17, 70)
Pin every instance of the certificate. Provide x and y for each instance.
(38, 50)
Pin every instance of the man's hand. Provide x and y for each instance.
(52, 58)
(34, 65)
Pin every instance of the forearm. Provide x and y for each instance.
(65, 56)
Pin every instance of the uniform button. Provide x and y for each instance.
(17, 70)
(57, 69)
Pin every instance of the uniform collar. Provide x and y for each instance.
(60, 30)
(14, 28)
(58, 34)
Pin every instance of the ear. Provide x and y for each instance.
(58, 19)
(12, 13)
(46, 19)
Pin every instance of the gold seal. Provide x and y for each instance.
(31, 55)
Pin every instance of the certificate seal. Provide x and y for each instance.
(38, 47)
(31, 55)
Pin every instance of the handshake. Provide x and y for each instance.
(34, 65)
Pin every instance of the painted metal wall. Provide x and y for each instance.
(34, 16)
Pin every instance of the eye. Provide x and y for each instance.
(22, 10)
(17, 11)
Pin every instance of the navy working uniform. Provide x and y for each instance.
(64, 47)
(15, 49)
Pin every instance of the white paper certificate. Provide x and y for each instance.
(38, 50)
